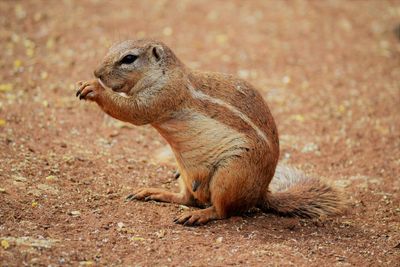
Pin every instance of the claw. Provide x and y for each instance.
(147, 198)
(184, 221)
(187, 223)
(177, 174)
(195, 185)
(130, 197)
(81, 97)
(78, 93)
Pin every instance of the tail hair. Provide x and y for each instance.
(292, 193)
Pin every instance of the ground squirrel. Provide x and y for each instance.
(220, 129)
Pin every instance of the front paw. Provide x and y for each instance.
(89, 90)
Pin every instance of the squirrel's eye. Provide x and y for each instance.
(128, 59)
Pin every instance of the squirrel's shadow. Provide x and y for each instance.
(271, 228)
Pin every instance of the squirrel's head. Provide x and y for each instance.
(128, 62)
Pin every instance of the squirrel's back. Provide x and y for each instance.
(242, 96)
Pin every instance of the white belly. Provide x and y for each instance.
(198, 140)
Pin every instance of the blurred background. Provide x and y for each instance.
(329, 71)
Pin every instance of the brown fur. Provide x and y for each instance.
(219, 127)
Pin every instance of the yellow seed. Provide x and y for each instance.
(2, 122)
(15, 38)
(6, 87)
(86, 263)
(50, 43)
(17, 63)
(5, 244)
(34, 204)
(28, 43)
(341, 109)
(140, 34)
(221, 38)
(44, 75)
(297, 117)
(30, 52)
(136, 238)
(20, 12)
(51, 178)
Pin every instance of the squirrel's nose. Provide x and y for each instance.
(98, 73)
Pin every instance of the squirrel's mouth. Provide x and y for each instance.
(102, 84)
(114, 88)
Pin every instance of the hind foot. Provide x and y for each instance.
(198, 217)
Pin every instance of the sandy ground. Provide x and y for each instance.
(328, 69)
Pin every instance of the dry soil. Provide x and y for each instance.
(329, 71)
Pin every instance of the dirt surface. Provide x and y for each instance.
(328, 69)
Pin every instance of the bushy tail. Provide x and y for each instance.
(292, 193)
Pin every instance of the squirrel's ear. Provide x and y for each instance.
(157, 51)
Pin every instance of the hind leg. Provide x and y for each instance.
(232, 192)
